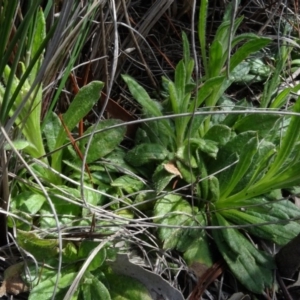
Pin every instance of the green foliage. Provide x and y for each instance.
(233, 162)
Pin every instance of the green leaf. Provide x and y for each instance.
(41, 249)
(254, 269)
(186, 50)
(92, 288)
(161, 178)
(51, 130)
(288, 143)
(202, 32)
(30, 202)
(207, 146)
(69, 253)
(215, 59)
(246, 49)
(38, 39)
(18, 145)
(260, 123)
(198, 251)
(186, 172)
(83, 102)
(206, 90)
(281, 98)
(126, 288)
(44, 289)
(128, 183)
(64, 209)
(180, 81)
(174, 98)
(259, 166)
(172, 210)
(103, 142)
(86, 247)
(142, 97)
(203, 184)
(146, 153)
(240, 169)
(227, 153)
(278, 233)
(186, 155)
(221, 134)
(214, 190)
(150, 107)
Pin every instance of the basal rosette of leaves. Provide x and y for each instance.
(236, 163)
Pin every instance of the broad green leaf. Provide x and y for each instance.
(83, 102)
(246, 49)
(146, 153)
(198, 251)
(172, 210)
(30, 202)
(278, 233)
(161, 178)
(18, 145)
(186, 172)
(91, 196)
(86, 247)
(196, 126)
(231, 119)
(40, 248)
(207, 146)
(240, 169)
(254, 269)
(66, 211)
(150, 280)
(141, 137)
(186, 155)
(157, 133)
(128, 183)
(103, 142)
(69, 253)
(142, 97)
(123, 287)
(114, 162)
(44, 289)
(19, 223)
(260, 123)
(92, 288)
(219, 133)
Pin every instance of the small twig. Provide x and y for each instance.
(75, 146)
